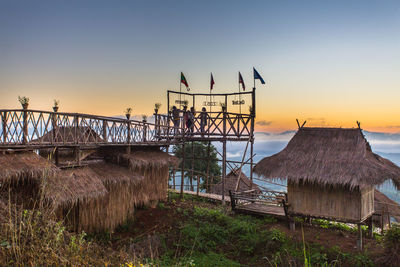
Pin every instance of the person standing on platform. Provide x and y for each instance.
(192, 115)
(203, 120)
(175, 119)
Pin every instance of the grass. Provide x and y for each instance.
(200, 234)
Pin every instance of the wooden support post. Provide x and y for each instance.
(191, 183)
(78, 156)
(173, 177)
(183, 168)
(4, 123)
(359, 241)
(224, 153)
(56, 157)
(208, 166)
(370, 228)
(223, 170)
(292, 224)
(198, 184)
(192, 173)
(382, 223)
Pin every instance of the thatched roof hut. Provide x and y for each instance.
(23, 167)
(331, 173)
(73, 185)
(230, 184)
(68, 134)
(334, 156)
(383, 205)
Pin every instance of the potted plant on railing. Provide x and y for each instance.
(128, 112)
(223, 106)
(24, 101)
(156, 107)
(251, 109)
(56, 105)
(144, 118)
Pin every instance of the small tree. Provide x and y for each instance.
(200, 164)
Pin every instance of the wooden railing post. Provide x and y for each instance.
(54, 125)
(76, 129)
(144, 131)
(25, 126)
(105, 137)
(128, 138)
(4, 123)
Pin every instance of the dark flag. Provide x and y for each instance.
(184, 81)
(258, 76)
(241, 81)
(212, 82)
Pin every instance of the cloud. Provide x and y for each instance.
(393, 126)
(264, 123)
(316, 121)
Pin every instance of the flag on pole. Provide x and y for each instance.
(241, 81)
(258, 76)
(212, 82)
(184, 81)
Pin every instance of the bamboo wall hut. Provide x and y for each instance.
(230, 184)
(331, 173)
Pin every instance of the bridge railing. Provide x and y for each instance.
(40, 128)
(217, 124)
(266, 197)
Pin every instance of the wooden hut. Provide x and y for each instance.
(96, 197)
(385, 210)
(330, 172)
(230, 184)
(21, 174)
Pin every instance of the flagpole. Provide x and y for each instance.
(180, 92)
(240, 103)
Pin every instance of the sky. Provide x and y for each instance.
(330, 63)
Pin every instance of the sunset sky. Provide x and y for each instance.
(328, 62)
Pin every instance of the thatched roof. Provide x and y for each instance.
(3, 212)
(113, 174)
(66, 134)
(72, 185)
(230, 184)
(21, 166)
(148, 159)
(329, 156)
(383, 203)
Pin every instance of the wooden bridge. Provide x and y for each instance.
(33, 129)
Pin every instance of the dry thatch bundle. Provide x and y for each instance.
(384, 204)
(23, 167)
(73, 185)
(69, 134)
(154, 166)
(329, 156)
(230, 184)
(3, 212)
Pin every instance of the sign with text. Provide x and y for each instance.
(209, 104)
(181, 102)
(238, 102)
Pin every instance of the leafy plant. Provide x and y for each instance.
(23, 100)
(157, 105)
(128, 111)
(56, 103)
(144, 117)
